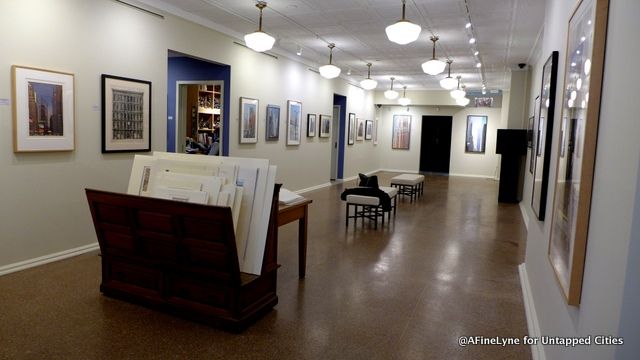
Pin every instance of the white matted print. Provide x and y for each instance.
(325, 126)
(43, 110)
(294, 120)
(248, 120)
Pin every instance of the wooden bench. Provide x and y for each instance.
(181, 258)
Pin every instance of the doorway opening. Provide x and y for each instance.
(338, 136)
(435, 148)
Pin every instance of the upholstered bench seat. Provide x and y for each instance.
(392, 192)
(411, 185)
(364, 207)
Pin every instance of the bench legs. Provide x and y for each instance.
(371, 212)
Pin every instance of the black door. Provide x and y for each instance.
(435, 151)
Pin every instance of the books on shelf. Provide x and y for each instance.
(244, 185)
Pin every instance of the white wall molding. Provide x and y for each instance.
(537, 350)
(26, 264)
(525, 216)
(312, 188)
(474, 176)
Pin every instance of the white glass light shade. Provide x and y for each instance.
(448, 83)
(463, 101)
(391, 94)
(368, 84)
(434, 67)
(259, 41)
(403, 32)
(404, 101)
(329, 71)
(457, 93)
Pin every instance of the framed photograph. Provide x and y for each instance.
(484, 102)
(401, 132)
(574, 175)
(360, 130)
(294, 120)
(325, 126)
(476, 137)
(368, 130)
(545, 129)
(351, 136)
(248, 120)
(534, 133)
(530, 133)
(43, 110)
(126, 114)
(311, 125)
(375, 132)
(272, 127)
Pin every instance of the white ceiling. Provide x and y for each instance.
(506, 31)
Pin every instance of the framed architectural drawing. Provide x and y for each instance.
(311, 125)
(360, 129)
(574, 171)
(43, 110)
(126, 114)
(368, 130)
(294, 120)
(476, 137)
(248, 120)
(325, 126)
(401, 132)
(545, 129)
(272, 127)
(375, 132)
(351, 136)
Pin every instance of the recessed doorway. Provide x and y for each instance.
(435, 148)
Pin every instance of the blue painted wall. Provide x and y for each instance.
(342, 102)
(190, 69)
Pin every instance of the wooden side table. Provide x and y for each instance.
(297, 211)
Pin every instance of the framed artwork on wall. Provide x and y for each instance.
(248, 120)
(476, 137)
(375, 132)
(368, 130)
(360, 129)
(401, 132)
(272, 126)
(325, 126)
(574, 171)
(351, 136)
(542, 159)
(530, 133)
(311, 125)
(294, 120)
(43, 110)
(534, 134)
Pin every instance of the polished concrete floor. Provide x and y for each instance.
(445, 267)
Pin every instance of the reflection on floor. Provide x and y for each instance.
(445, 267)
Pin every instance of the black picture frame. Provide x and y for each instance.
(272, 126)
(544, 129)
(476, 135)
(351, 136)
(312, 120)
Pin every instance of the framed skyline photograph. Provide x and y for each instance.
(401, 132)
(574, 171)
(294, 120)
(325, 126)
(311, 125)
(476, 136)
(43, 110)
(543, 158)
(272, 126)
(375, 132)
(351, 136)
(126, 114)
(359, 129)
(248, 120)
(368, 130)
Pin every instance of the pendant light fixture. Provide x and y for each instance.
(404, 100)
(391, 94)
(463, 101)
(368, 83)
(330, 71)
(403, 31)
(259, 41)
(457, 93)
(433, 66)
(449, 83)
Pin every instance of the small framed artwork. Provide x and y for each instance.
(126, 114)
(368, 130)
(530, 133)
(294, 120)
(582, 88)
(401, 132)
(360, 130)
(534, 134)
(545, 127)
(351, 136)
(476, 137)
(311, 125)
(484, 102)
(272, 127)
(248, 120)
(325, 126)
(375, 132)
(43, 110)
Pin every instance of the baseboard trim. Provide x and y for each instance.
(312, 188)
(537, 350)
(490, 177)
(414, 171)
(525, 216)
(26, 264)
